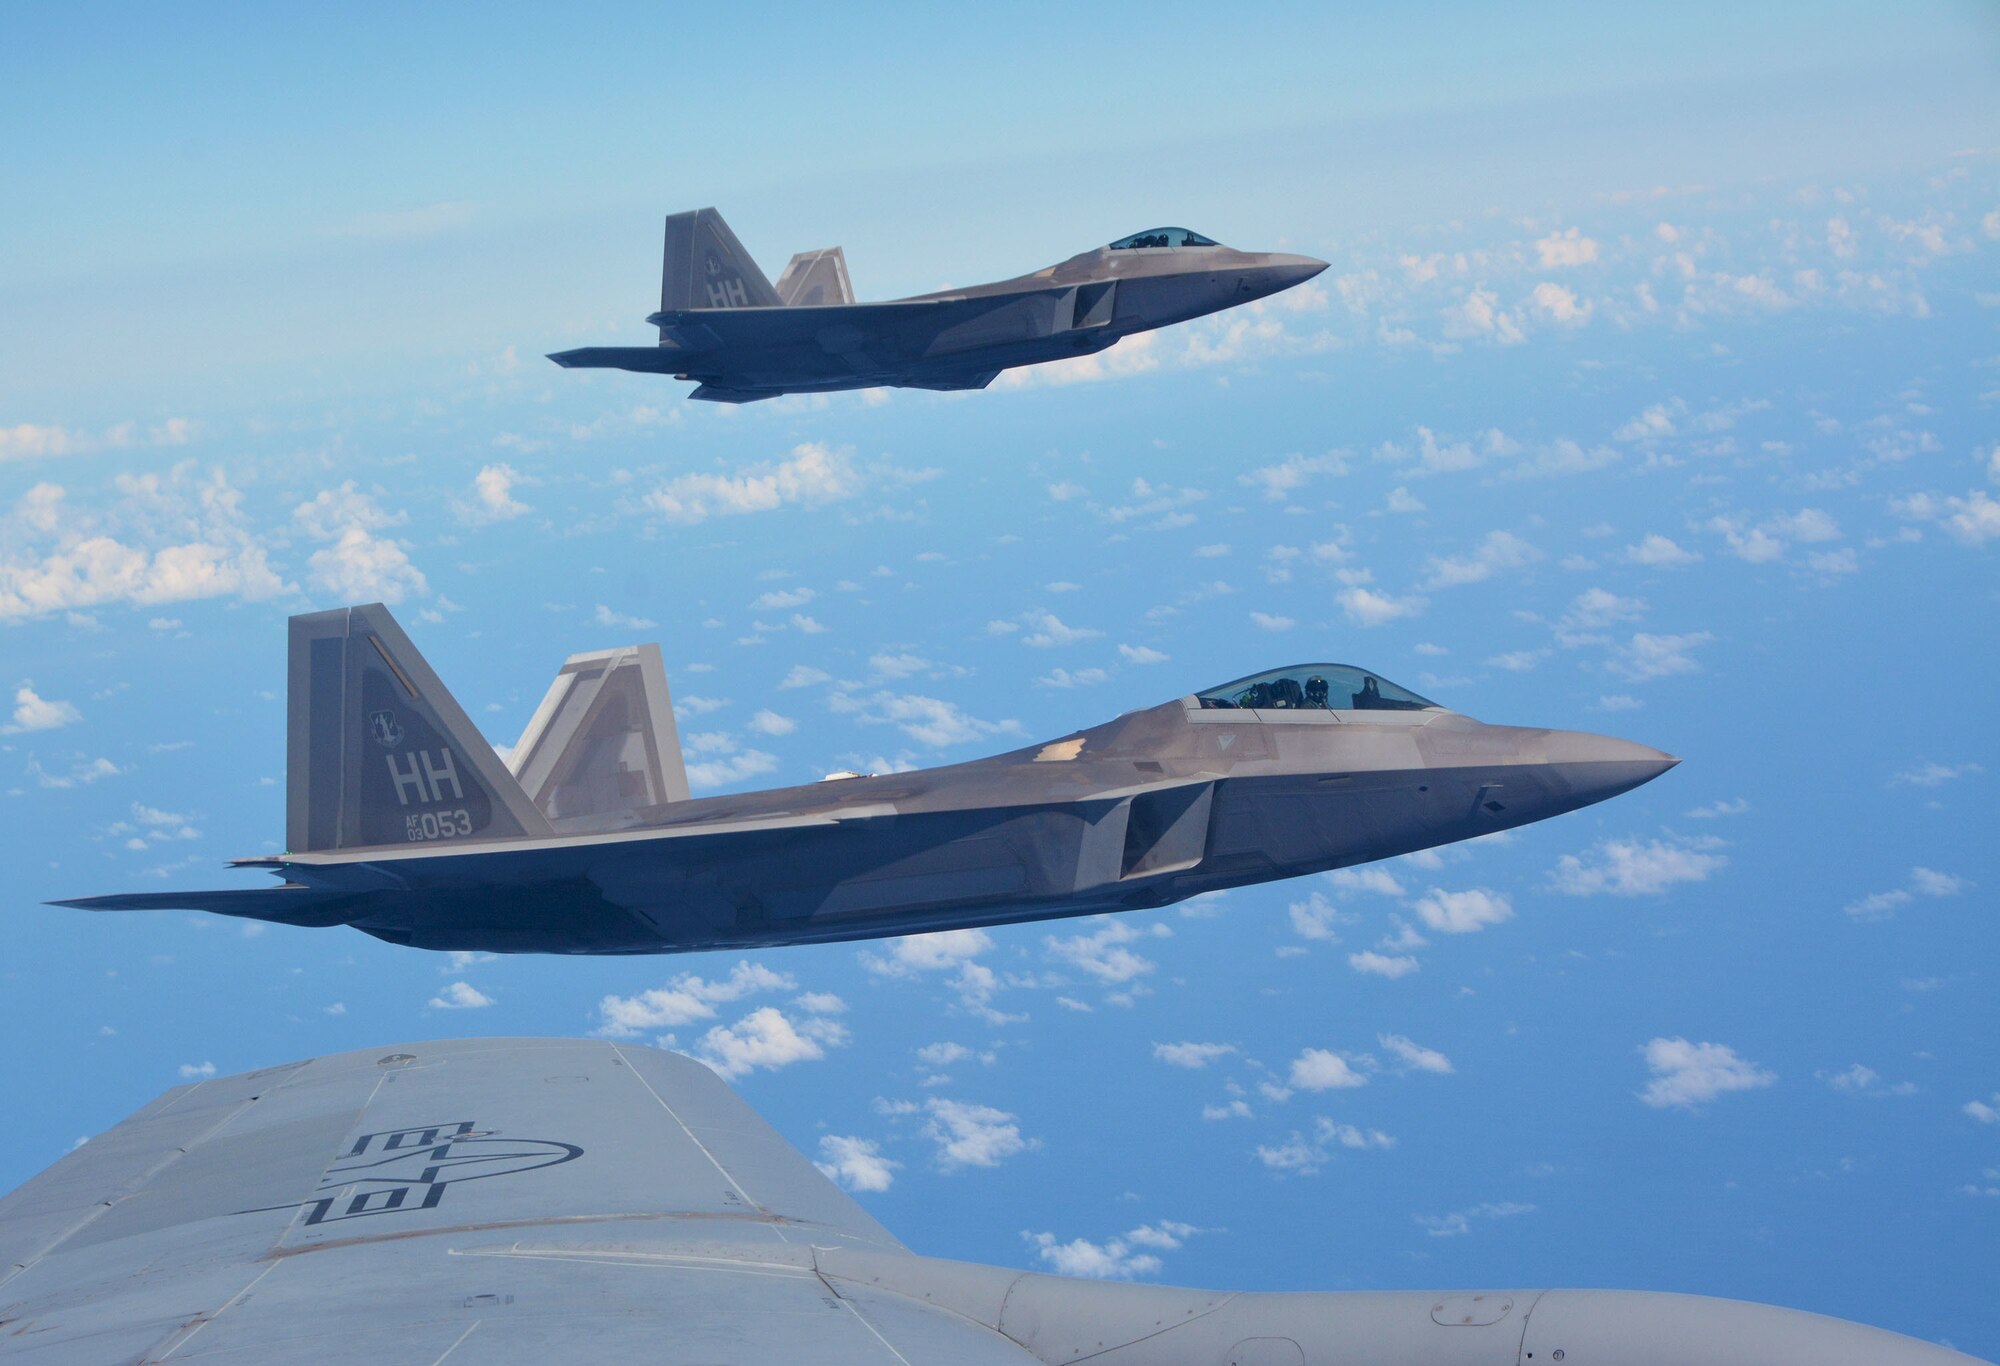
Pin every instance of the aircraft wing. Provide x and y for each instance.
(502, 1200)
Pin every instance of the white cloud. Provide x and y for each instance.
(360, 566)
(1319, 1069)
(1366, 607)
(1596, 608)
(1629, 867)
(728, 763)
(1922, 882)
(619, 621)
(1267, 622)
(1462, 912)
(82, 773)
(460, 996)
(804, 676)
(927, 720)
(1565, 247)
(33, 712)
(1689, 1074)
(1079, 678)
(1141, 654)
(916, 953)
(1459, 1223)
(1660, 552)
(1302, 1155)
(1047, 630)
(1657, 656)
(170, 537)
(770, 723)
(1314, 918)
(1115, 1259)
(1193, 1055)
(1104, 954)
(813, 476)
(782, 599)
(969, 1135)
(1415, 1055)
(1391, 966)
(1479, 314)
(768, 1039)
(1977, 1109)
(1499, 550)
(197, 1071)
(685, 1000)
(1368, 879)
(1560, 305)
(855, 1163)
(493, 496)
(953, 953)
(1278, 482)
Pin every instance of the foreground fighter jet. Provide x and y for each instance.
(403, 822)
(722, 323)
(537, 1200)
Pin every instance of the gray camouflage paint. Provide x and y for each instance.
(432, 843)
(723, 324)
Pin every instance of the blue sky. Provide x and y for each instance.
(1652, 390)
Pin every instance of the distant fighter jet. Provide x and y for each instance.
(402, 821)
(722, 323)
(518, 1201)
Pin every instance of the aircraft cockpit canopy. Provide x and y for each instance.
(1163, 237)
(1323, 687)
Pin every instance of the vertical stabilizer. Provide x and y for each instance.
(378, 752)
(603, 742)
(816, 277)
(704, 266)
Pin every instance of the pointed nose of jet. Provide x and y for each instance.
(1595, 767)
(1286, 270)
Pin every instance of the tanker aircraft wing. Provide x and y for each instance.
(537, 1200)
(722, 323)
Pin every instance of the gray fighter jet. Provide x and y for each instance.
(722, 323)
(538, 1200)
(403, 822)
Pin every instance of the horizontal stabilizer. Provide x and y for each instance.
(651, 360)
(290, 904)
(816, 277)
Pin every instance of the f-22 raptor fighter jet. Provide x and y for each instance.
(723, 323)
(402, 821)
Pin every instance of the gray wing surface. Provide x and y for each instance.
(509, 1200)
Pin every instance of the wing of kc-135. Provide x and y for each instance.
(538, 1200)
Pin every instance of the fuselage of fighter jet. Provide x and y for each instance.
(722, 323)
(403, 822)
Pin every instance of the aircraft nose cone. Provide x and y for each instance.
(1294, 270)
(1599, 766)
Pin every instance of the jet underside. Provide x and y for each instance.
(1017, 837)
(723, 324)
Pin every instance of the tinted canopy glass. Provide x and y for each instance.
(1324, 687)
(1163, 237)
